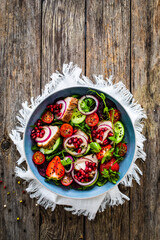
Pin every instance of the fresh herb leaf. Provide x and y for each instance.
(111, 176)
(32, 126)
(101, 181)
(66, 161)
(48, 158)
(35, 147)
(87, 104)
(95, 147)
(76, 96)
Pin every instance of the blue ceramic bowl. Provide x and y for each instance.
(90, 192)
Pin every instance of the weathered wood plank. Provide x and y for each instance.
(108, 52)
(62, 41)
(20, 79)
(145, 200)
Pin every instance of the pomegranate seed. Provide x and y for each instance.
(38, 131)
(101, 138)
(105, 142)
(87, 175)
(94, 164)
(98, 136)
(86, 169)
(38, 124)
(86, 179)
(79, 150)
(82, 180)
(89, 169)
(42, 131)
(52, 109)
(36, 128)
(110, 134)
(69, 141)
(78, 174)
(38, 134)
(87, 163)
(94, 168)
(60, 105)
(76, 177)
(33, 131)
(93, 135)
(94, 131)
(34, 136)
(75, 139)
(80, 140)
(59, 114)
(75, 130)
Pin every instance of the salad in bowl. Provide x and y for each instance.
(79, 141)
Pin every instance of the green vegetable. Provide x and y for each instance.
(111, 176)
(66, 161)
(61, 153)
(76, 96)
(103, 97)
(55, 123)
(101, 181)
(119, 131)
(107, 155)
(35, 148)
(95, 147)
(87, 104)
(56, 182)
(77, 117)
(53, 148)
(88, 148)
(82, 126)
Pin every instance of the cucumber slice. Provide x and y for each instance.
(53, 148)
(119, 131)
(77, 117)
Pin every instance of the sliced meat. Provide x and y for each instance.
(80, 163)
(82, 134)
(55, 134)
(109, 123)
(71, 105)
(104, 137)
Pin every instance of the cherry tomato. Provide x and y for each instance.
(104, 152)
(122, 149)
(47, 117)
(67, 180)
(38, 158)
(110, 164)
(114, 115)
(92, 120)
(66, 130)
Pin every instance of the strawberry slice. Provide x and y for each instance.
(55, 169)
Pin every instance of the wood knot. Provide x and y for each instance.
(5, 144)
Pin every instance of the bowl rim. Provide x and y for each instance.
(78, 198)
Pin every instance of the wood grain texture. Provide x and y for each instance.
(20, 79)
(108, 52)
(63, 36)
(145, 200)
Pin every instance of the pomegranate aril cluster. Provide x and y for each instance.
(56, 109)
(76, 142)
(38, 131)
(84, 175)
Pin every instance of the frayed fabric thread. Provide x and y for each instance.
(70, 77)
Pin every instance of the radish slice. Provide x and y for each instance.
(84, 144)
(63, 109)
(46, 135)
(86, 183)
(72, 165)
(88, 96)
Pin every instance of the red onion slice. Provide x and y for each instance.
(86, 183)
(105, 126)
(63, 109)
(46, 135)
(72, 164)
(85, 142)
(88, 96)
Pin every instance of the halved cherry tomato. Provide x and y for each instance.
(104, 152)
(92, 120)
(67, 180)
(114, 115)
(66, 130)
(47, 117)
(111, 164)
(38, 158)
(122, 149)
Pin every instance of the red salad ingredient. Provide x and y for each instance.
(66, 180)
(111, 164)
(38, 158)
(105, 152)
(66, 130)
(92, 120)
(122, 149)
(114, 115)
(55, 169)
(47, 117)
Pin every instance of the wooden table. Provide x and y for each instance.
(120, 37)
